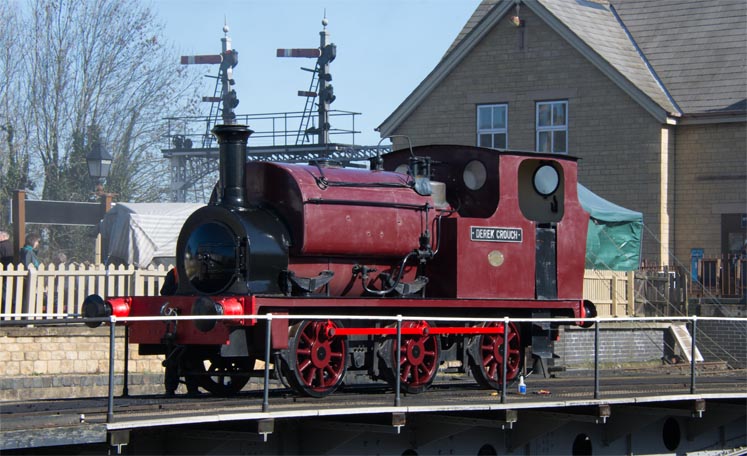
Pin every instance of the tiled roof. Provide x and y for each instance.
(674, 57)
(597, 25)
(698, 49)
(482, 9)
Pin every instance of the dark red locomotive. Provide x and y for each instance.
(439, 231)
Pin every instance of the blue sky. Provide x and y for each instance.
(384, 48)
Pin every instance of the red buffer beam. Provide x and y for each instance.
(308, 53)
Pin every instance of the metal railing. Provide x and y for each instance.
(724, 277)
(22, 319)
(270, 129)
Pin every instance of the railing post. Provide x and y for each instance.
(395, 360)
(268, 342)
(110, 402)
(692, 354)
(353, 128)
(285, 135)
(125, 378)
(631, 293)
(505, 360)
(596, 358)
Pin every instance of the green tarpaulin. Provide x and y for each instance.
(613, 241)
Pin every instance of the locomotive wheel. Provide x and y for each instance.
(315, 364)
(418, 359)
(486, 356)
(218, 375)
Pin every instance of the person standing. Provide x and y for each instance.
(6, 249)
(27, 255)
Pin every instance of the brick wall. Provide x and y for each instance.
(618, 346)
(726, 340)
(67, 361)
(717, 341)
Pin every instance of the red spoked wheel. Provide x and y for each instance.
(486, 356)
(316, 362)
(417, 360)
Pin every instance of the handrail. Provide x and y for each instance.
(398, 319)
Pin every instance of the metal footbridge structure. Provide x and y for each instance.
(193, 152)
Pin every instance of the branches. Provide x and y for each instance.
(94, 62)
(98, 63)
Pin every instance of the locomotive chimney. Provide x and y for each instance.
(232, 141)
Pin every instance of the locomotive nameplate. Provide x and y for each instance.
(495, 234)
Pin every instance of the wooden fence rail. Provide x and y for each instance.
(60, 289)
(612, 292)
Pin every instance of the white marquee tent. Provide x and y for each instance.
(143, 233)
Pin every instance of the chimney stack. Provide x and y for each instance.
(232, 140)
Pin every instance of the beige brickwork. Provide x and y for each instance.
(72, 361)
(628, 156)
(711, 180)
(67, 350)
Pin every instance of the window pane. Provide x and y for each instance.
(499, 117)
(483, 117)
(558, 113)
(544, 141)
(559, 142)
(485, 140)
(499, 141)
(543, 117)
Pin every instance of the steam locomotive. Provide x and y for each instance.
(444, 231)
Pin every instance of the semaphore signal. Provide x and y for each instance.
(324, 93)
(227, 60)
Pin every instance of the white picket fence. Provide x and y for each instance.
(60, 289)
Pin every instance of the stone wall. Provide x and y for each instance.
(711, 180)
(69, 361)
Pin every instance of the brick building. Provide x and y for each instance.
(651, 95)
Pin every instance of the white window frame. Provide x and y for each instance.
(493, 130)
(552, 128)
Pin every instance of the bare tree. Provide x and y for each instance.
(14, 158)
(101, 62)
(84, 64)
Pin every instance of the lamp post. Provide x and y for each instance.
(99, 163)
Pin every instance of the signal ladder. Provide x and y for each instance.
(308, 110)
